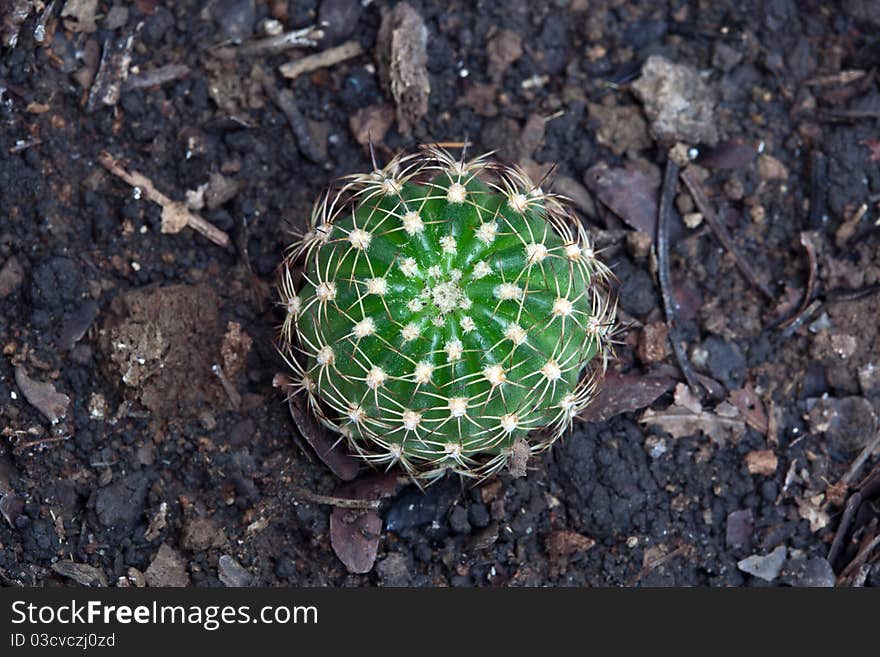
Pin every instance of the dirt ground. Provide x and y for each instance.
(142, 439)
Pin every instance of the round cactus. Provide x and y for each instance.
(442, 313)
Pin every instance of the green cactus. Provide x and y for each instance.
(445, 312)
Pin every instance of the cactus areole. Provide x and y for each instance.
(441, 313)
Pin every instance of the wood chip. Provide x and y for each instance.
(112, 73)
(519, 457)
(762, 462)
(403, 63)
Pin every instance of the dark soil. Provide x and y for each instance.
(155, 451)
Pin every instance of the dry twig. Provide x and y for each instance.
(175, 215)
(702, 203)
(324, 59)
(807, 307)
(340, 502)
(667, 194)
(863, 456)
(305, 38)
(156, 77)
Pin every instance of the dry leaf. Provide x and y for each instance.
(354, 533)
(630, 193)
(750, 407)
(42, 396)
(325, 445)
(566, 543)
(621, 393)
(680, 422)
(817, 518)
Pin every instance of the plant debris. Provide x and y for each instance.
(722, 425)
(324, 59)
(631, 193)
(622, 393)
(175, 215)
(326, 446)
(401, 49)
(762, 462)
(80, 573)
(112, 73)
(42, 396)
(354, 534)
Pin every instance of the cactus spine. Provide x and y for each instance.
(440, 311)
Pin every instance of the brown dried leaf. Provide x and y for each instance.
(621, 393)
(42, 396)
(631, 193)
(325, 445)
(371, 123)
(565, 543)
(354, 533)
(750, 407)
